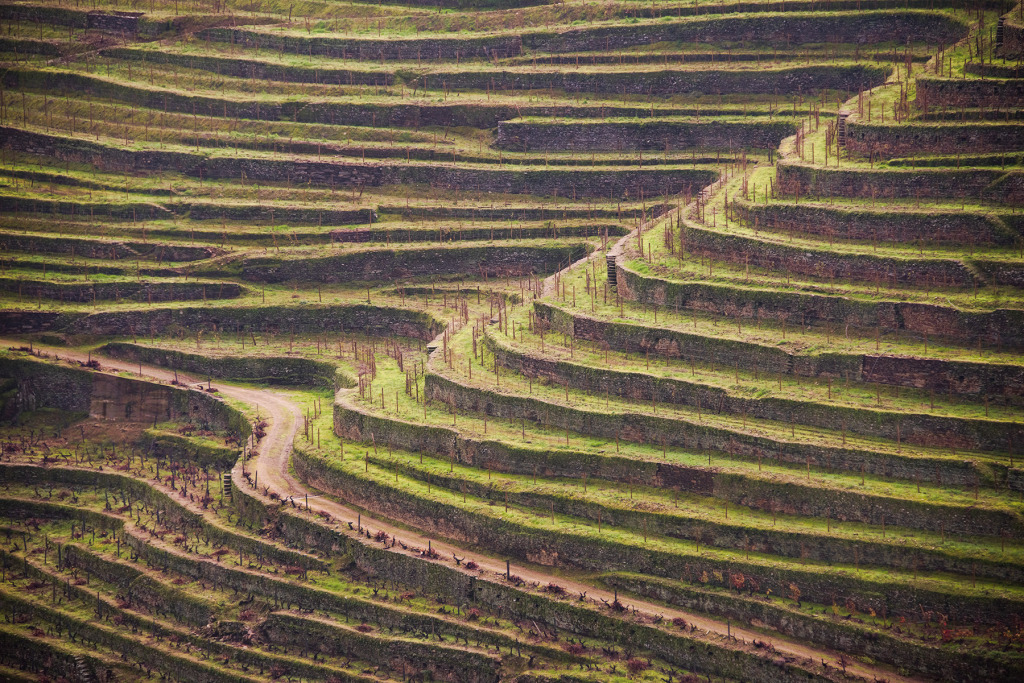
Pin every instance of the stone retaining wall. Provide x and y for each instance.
(999, 381)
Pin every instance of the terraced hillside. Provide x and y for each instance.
(512, 340)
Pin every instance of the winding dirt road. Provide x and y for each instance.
(271, 464)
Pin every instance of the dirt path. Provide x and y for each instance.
(272, 466)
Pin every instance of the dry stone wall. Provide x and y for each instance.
(658, 135)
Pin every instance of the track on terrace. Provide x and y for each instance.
(272, 464)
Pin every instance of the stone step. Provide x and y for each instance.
(84, 670)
